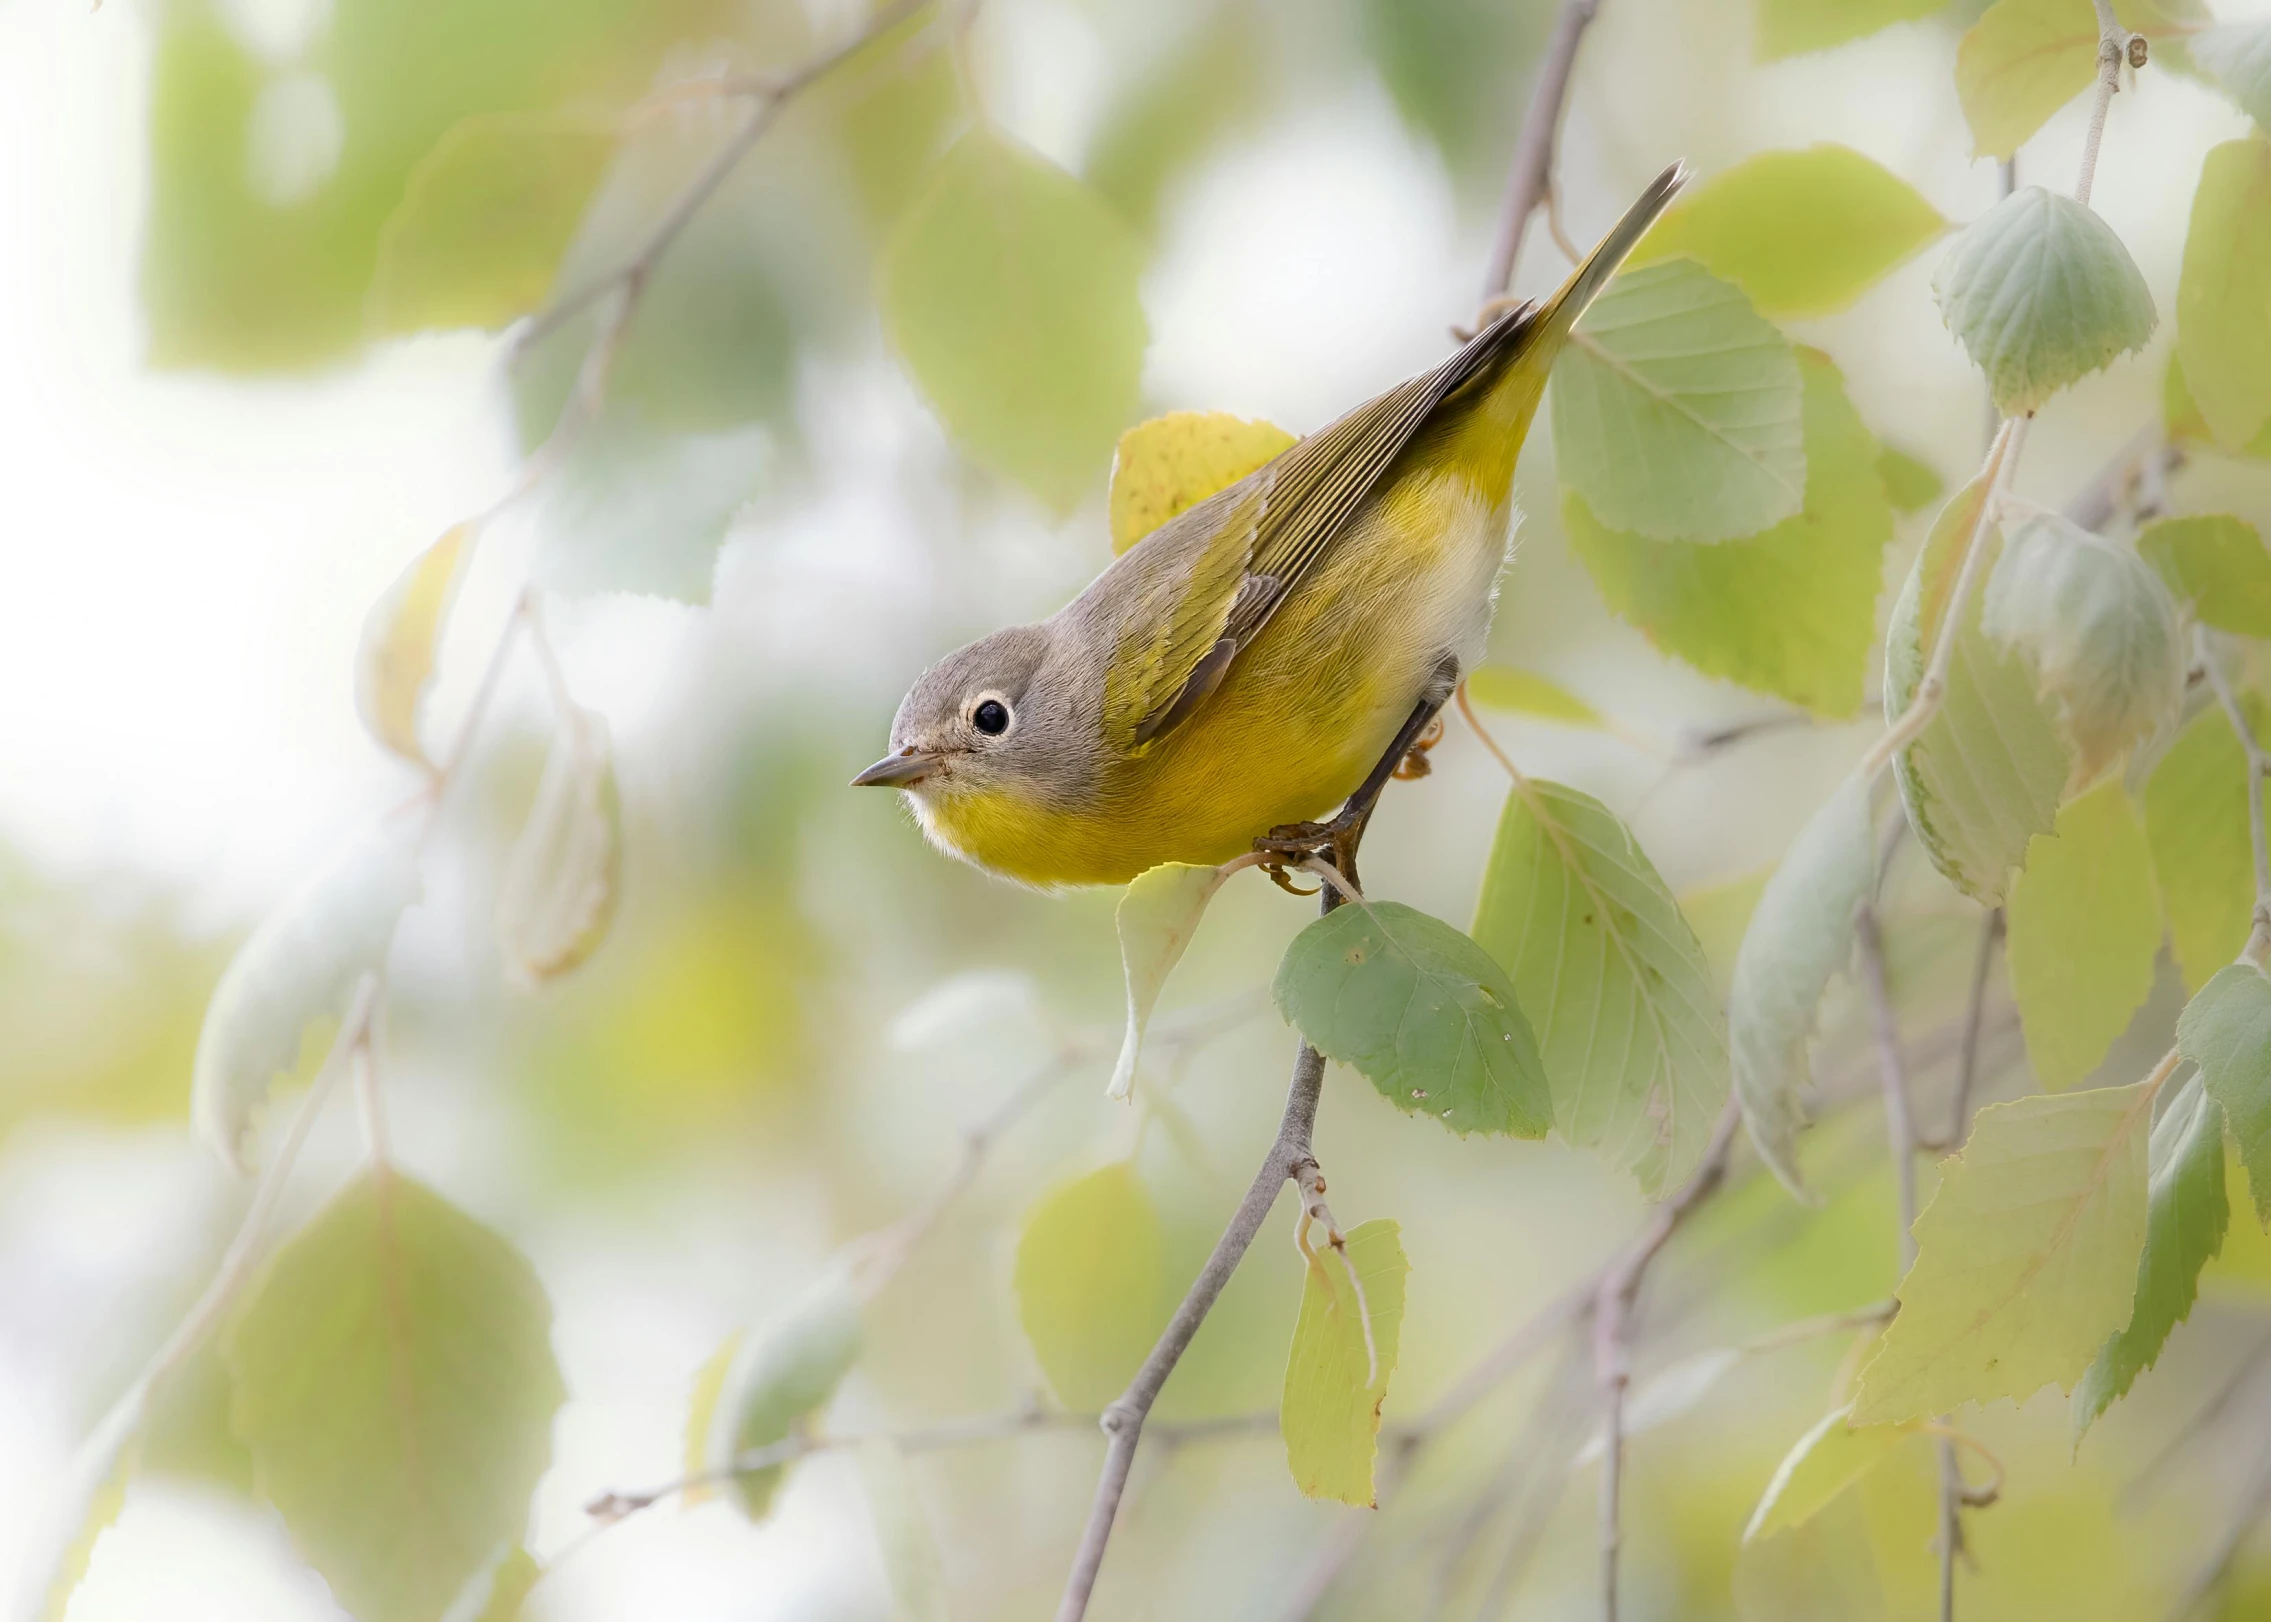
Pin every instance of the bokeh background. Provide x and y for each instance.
(209, 470)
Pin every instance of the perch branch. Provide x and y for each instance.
(1529, 177)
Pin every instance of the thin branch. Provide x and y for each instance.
(1612, 1334)
(1991, 929)
(2258, 767)
(2113, 45)
(2138, 475)
(1529, 177)
(2210, 1577)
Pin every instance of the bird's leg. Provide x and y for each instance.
(1415, 763)
(1336, 840)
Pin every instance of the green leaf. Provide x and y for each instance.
(2182, 419)
(640, 509)
(777, 1378)
(1330, 1415)
(1794, 27)
(394, 1379)
(1802, 233)
(1611, 978)
(1677, 409)
(1503, 687)
(2196, 823)
(564, 874)
(2217, 566)
(903, 1534)
(1791, 611)
(702, 1433)
(301, 965)
(2226, 1031)
(1158, 914)
(394, 657)
(1988, 773)
(2223, 297)
(2085, 926)
(1423, 1012)
(1911, 483)
(1090, 1280)
(2025, 59)
(1829, 1458)
(1800, 936)
(1720, 914)
(2026, 1257)
(1207, 88)
(2041, 293)
(1011, 291)
(2238, 57)
(2096, 625)
(484, 220)
(1448, 63)
(498, 1592)
(85, 1505)
(2184, 1228)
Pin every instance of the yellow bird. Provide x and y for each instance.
(1273, 652)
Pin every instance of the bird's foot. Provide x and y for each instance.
(1290, 844)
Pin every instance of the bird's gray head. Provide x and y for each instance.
(998, 714)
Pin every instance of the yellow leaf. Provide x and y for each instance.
(1090, 1280)
(395, 660)
(1337, 1377)
(1172, 463)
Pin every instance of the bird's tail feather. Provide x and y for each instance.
(1560, 312)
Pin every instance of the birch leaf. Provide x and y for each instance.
(565, 871)
(1090, 1278)
(2196, 823)
(1158, 914)
(1170, 464)
(2217, 566)
(2223, 296)
(2226, 1031)
(1829, 1458)
(1525, 692)
(1330, 1415)
(778, 1377)
(394, 660)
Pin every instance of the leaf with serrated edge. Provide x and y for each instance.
(2238, 57)
(1170, 464)
(2025, 59)
(2184, 1228)
(1089, 1276)
(565, 871)
(1158, 914)
(2097, 625)
(394, 659)
(1829, 1458)
(2226, 1031)
(393, 1376)
(1987, 774)
(2026, 1257)
(1330, 1413)
(2085, 933)
(1802, 233)
(1503, 687)
(2203, 856)
(1800, 936)
(1790, 611)
(1676, 411)
(1611, 978)
(1794, 27)
(2223, 296)
(2217, 566)
(1425, 1014)
(301, 965)
(2041, 293)
(778, 1377)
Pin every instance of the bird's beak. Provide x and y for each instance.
(902, 770)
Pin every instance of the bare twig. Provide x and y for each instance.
(1612, 1334)
(2113, 45)
(1529, 177)
(2258, 767)
(1991, 929)
(2136, 477)
(2210, 1577)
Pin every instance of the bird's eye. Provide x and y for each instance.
(991, 718)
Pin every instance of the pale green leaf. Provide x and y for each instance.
(1090, 1278)
(777, 1378)
(2184, 1228)
(82, 1506)
(484, 220)
(1721, 915)
(1791, 611)
(1426, 1015)
(1676, 409)
(1170, 464)
(2223, 296)
(1612, 980)
(1011, 291)
(1802, 233)
(1672, 1392)
(1794, 27)
(1503, 687)
(2226, 1031)
(2182, 418)
(2099, 630)
(1158, 914)
(394, 1379)
(2025, 59)
(639, 509)
(394, 658)
(2238, 57)
(1207, 87)
(2085, 932)
(1829, 1458)
(912, 1563)
(1911, 483)
(1799, 937)
(2217, 566)
(1988, 773)
(1334, 1386)
(301, 965)
(2026, 1257)
(702, 1434)
(2196, 823)
(499, 1591)
(564, 873)
(2041, 293)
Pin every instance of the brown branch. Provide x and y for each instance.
(1991, 929)
(1529, 177)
